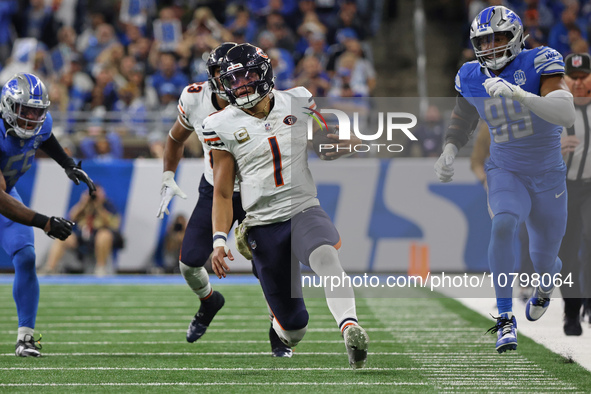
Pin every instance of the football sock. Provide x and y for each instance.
(505, 305)
(324, 260)
(348, 322)
(24, 331)
(501, 257)
(25, 289)
(197, 279)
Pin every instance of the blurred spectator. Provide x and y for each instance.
(312, 76)
(531, 25)
(318, 48)
(104, 93)
(559, 35)
(284, 37)
(7, 9)
(62, 53)
(137, 12)
(240, 24)
(105, 37)
(100, 145)
(283, 68)
(168, 72)
(167, 30)
(348, 19)
(96, 233)
(354, 77)
(93, 21)
(132, 110)
(205, 23)
(35, 20)
(168, 96)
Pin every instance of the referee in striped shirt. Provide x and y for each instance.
(575, 251)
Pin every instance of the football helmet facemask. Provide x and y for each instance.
(496, 21)
(24, 103)
(213, 63)
(246, 67)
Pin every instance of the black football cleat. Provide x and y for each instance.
(278, 348)
(207, 311)
(29, 347)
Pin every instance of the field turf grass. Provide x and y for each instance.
(131, 338)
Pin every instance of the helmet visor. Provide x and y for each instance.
(29, 117)
(493, 45)
(241, 81)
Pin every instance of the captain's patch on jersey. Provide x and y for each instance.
(290, 120)
(241, 135)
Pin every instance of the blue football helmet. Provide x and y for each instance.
(24, 103)
(245, 62)
(491, 21)
(214, 62)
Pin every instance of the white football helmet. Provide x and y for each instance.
(494, 21)
(24, 103)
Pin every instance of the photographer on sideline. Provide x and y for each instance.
(96, 232)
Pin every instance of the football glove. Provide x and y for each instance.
(241, 234)
(444, 165)
(498, 87)
(76, 174)
(168, 191)
(60, 228)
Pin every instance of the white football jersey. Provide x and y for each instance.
(195, 104)
(271, 156)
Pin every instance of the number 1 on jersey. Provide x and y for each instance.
(276, 161)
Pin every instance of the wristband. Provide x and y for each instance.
(219, 239)
(39, 221)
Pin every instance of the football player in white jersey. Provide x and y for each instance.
(261, 138)
(197, 101)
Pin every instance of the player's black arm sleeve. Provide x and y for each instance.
(463, 122)
(53, 148)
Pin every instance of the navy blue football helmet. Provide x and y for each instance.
(246, 65)
(214, 62)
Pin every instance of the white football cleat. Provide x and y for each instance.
(356, 342)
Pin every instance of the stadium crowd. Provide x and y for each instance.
(115, 69)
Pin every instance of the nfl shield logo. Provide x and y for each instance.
(268, 126)
(577, 61)
(519, 77)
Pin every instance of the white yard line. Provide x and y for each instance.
(277, 384)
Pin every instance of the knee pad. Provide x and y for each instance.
(504, 226)
(197, 279)
(289, 337)
(24, 259)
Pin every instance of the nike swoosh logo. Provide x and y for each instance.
(558, 195)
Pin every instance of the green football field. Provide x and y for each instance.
(131, 338)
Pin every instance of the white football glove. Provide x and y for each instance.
(168, 191)
(497, 87)
(444, 165)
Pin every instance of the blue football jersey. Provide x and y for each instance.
(521, 141)
(16, 154)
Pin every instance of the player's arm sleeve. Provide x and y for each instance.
(52, 147)
(463, 121)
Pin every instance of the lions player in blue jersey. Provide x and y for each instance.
(522, 96)
(26, 127)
